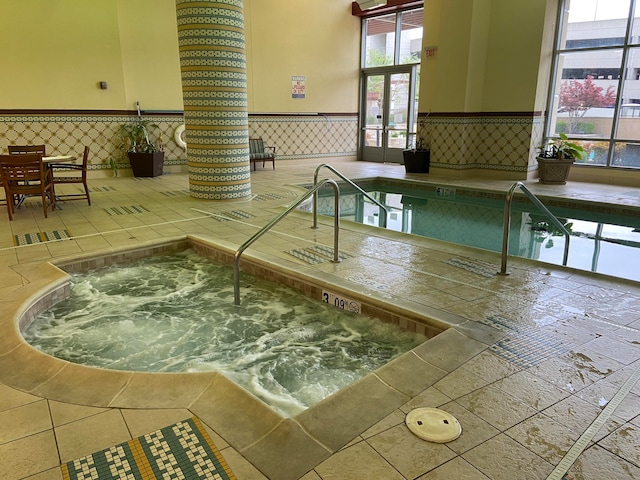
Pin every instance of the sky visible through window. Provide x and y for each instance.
(591, 10)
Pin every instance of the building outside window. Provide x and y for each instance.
(595, 93)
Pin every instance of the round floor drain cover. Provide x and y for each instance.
(433, 424)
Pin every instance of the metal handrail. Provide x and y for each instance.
(507, 224)
(263, 230)
(383, 219)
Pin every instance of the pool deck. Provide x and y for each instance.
(528, 364)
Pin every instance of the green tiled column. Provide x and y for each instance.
(214, 86)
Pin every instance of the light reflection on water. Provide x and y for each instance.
(602, 243)
(176, 313)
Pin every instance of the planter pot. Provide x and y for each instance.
(416, 161)
(146, 164)
(553, 171)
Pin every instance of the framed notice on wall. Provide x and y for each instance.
(297, 86)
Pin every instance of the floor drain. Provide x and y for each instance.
(433, 425)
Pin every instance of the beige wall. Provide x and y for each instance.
(55, 52)
(488, 55)
(149, 52)
(317, 39)
(60, 50)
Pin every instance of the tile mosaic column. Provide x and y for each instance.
(214, 85)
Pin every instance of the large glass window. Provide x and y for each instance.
(393, 39)
(595, 95)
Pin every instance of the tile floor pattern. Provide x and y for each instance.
(181, 451)
(572, 339)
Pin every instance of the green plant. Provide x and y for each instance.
(137, 137)
(562, 149)
(113, 165)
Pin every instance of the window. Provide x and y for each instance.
(393, 39)
(596, 87)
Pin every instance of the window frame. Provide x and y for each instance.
(555, 80)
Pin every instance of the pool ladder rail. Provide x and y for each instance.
(290, 208)
(382, 218)
(507, 224)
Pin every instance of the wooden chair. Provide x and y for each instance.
(23, 149)
(259, 151)
(23, 175)
(67, 173)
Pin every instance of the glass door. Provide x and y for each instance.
(388, 113)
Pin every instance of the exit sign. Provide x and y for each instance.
(430, 52)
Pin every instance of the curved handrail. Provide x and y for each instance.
(263, 230)
(507, 223)
(383, 219)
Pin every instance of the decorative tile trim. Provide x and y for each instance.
(463, 141)
(40, 237)
(183, 450)
(295, 136)
(130, 210)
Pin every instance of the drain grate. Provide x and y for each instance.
(130, 210)
(176, 193)
(317, 254)
(267, 196)
(524, 346)
(479, 268)
(40, 237)
(368, 282)
(232, 214)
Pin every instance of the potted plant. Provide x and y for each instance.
(555, 160)
(146, 156)
(418, 158)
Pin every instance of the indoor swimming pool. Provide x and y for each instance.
(175, 313)
(601, 241)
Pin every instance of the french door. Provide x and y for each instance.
(388, 113)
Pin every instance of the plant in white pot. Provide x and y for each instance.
(145, 154)
(555, 160)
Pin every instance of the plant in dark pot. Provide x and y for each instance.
(555, 160)
(146, 155)
(418, 158)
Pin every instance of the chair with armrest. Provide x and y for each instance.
(69, 173)
(23, 149)
(259, 151)
(24, 175)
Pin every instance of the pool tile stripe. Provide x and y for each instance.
(126, 210)
(182, 450)
(40, 237)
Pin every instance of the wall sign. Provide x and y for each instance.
(298, 86)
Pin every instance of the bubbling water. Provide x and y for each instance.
(175, 313)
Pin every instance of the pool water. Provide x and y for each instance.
(175, 313)
(603, 243)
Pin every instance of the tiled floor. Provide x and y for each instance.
(566, 344)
